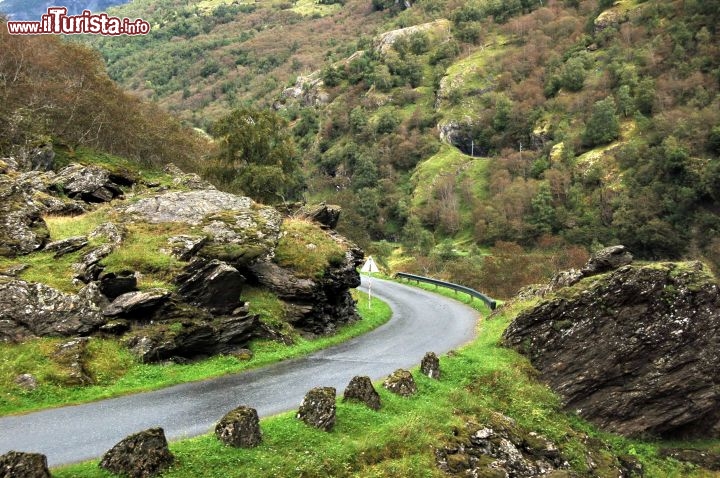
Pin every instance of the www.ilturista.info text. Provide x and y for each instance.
(58, 22)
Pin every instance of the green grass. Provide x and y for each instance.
(63, 227)
(118, 373)
(312, 7)
(478, 380)
(43, 267)
(306, 249)
(448, 161)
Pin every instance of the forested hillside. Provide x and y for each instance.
(530, 131)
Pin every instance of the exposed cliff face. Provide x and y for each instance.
(223, 242)
(635, 350)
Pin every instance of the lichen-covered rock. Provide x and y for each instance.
(22, 228)
(500, 449)
(15, 464)
(189, 207)
(361, 389)
(240, 428)
(606, 260)
(192, 337)
(187, 180)
(138, 304)
(308, 90)
(634, 350)
(141, 455)
(66, 246)
(430, 365)
(89, 183)
(185, 246)
(401, 382)
(212, 285)
(26, 381)
(318, 408)
(89, 268)
(31, 309)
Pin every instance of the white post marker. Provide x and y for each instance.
(369, 267)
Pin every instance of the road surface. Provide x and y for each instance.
(421, 322)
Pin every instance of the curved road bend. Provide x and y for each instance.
(421, 322)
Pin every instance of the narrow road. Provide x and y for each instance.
(421, 322)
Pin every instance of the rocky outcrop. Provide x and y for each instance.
(23, 465)
(361, 389)
(634, 350)
(308, 90)
(22, 228)
(141, 455)
(401, 382)
(137, 305)
(318, 408)
(190, 338)
(439, 30)
(240, 428)
(37, 310)
(66, 246)
(115, 284)
(327, 215)
(500, 449)
(70, 358)
(212, 285)
(90, 183)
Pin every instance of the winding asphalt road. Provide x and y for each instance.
(421, 322)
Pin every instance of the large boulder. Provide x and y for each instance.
(137, 305)
(212, 285)
(140, 455)
(192, 337)
(240, 428)
(31, 309)
(15, 464)
(89, 183)
(634, 350)
(238, 230)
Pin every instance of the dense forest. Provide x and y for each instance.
(491, 142)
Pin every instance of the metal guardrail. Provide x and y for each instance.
(460, 288)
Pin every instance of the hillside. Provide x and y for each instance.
(481, 127)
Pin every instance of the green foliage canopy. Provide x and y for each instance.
(261, 153)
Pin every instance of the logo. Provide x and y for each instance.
(58, 22)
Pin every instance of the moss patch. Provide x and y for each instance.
(306, 249)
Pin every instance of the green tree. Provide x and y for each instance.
(572, 76)
(603, 125)
(257, 147)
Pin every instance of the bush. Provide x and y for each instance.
(603, 125)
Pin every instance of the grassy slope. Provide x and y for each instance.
(478, 380)
(118, 372)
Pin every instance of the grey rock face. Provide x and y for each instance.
(212, 285)
(240, 428)
(66, 246)
(190, 338)
(89, 183)
(318, 408)
(430, 365)
(401, 382)
(187, 207)
(606, 260)
(140, 455)
(113, 233)
(137, 305)
(184, 247)
(16, 464)
(634, 350)
(362, 390)
(30, 309)
(324, 214)
(89, 268)
(22, 229)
